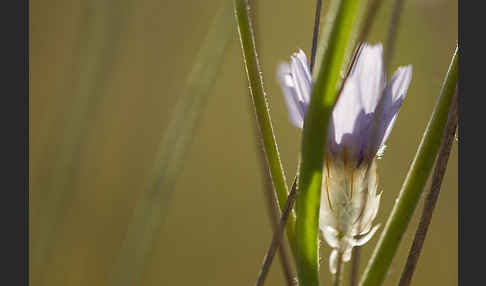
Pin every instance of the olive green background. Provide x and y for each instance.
(217, 229)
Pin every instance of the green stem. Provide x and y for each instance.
(253, 72)
(324, 95)
(414, 183)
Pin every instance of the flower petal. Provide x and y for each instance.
(352, 116)
(331, 236)
(333, 261)
(393, 97)
(301, 72)
(363, 240)
(346, 111)
(292, 102)
(369, 76)
(296, 82)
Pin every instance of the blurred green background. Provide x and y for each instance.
(105, 78)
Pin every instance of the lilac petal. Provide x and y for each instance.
(393, 97)
(294, 105)
(295, 80)
(370, 76)
(345, 112)
(300, 69)
(351, 119)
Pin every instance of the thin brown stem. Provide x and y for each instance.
(273, 214)
(277, 235)
(315, 36)
(268, 193)
(355, 257)
(338, 276)
(432, 196)
(351, 66)
(392, 32)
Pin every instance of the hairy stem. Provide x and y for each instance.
(254, 75)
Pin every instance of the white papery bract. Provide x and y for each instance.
(361, 121)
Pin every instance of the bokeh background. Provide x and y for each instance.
(105, 78)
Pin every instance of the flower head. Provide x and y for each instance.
(361, 121)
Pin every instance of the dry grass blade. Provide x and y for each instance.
(99, 37)
(432, 196)
(151, 209)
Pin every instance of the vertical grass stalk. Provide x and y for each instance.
(323, 98)
(414, 183)
(432, 197)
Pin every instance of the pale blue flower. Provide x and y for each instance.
(355, 114)
(361, 121)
